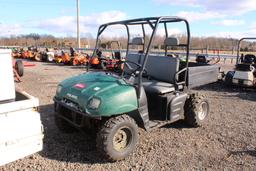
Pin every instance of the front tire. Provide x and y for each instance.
(196, 110)
(117, 137)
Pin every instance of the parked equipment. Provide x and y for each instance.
(152, 91)
(114, 62)
(80, 59)
(97, 60)
(245, 70)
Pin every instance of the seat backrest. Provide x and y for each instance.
(117, 55)
(249, 58)
(136, 58)
(163, 68)
(137, 41)
(171, 41)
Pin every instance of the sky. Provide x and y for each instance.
(229, 18)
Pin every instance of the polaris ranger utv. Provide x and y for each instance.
(151, 91)
(245, 70)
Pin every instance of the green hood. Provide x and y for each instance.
(115, 95)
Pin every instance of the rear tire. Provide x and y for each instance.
(196, 110)
(37, 57)
(19, 67)
(117, 137)
(62, 124)
(229, 77)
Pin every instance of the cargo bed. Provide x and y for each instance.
(21, 131)
(199, 75)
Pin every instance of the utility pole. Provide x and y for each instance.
(78, 30)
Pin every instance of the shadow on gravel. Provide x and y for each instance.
(248, 152)
(75, 147)
(180, 124)
(231, 91)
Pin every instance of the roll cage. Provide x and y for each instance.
(238, 60)
(153, 22)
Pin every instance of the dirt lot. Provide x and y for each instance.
(226, 142)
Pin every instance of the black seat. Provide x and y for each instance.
(117, 55)
(158, 87)
(249, 59)
(161, 71)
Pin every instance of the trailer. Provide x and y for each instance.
(21, 130)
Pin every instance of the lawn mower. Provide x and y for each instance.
(80, 59)
(47, 55)
(98, 60)
(245, 70)
(152, 91)
(77, 59)
(114, 62)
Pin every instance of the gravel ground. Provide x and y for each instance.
(226, 142)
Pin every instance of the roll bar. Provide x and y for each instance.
(153, 22)
(239, 44)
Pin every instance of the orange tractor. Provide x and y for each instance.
(114, 62)
(27, 54)
(109, 62)
(32, 54)
(80, 59)
(77, 59)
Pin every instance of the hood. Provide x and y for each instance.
(108, 88)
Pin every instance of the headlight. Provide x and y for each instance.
(94, 103)
(59, 88)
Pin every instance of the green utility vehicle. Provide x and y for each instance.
(151, 91)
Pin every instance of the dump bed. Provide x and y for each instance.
(21, 131)
(202, 75)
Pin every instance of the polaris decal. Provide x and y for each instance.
(72, 96)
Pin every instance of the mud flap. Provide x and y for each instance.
(177, 107)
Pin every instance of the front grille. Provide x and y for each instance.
(240, 82)
(72, 104)
(72, 116)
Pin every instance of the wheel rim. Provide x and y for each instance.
(122, 139)
(50, 59)
(203, 111)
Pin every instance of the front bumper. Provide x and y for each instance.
(240, 82)
(74, 117)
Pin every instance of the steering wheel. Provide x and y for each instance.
(131, 71)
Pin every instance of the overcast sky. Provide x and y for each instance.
(229, 18)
